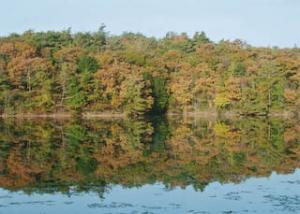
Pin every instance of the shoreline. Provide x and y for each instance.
(64, 115)
(100, 115)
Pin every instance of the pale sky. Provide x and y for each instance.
(258, 22)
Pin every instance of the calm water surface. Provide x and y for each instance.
(156, 165)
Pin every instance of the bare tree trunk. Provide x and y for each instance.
(269, 99)
(62, 95)
(29, 80)
(269, 93)
(29, 84)
(185, 110)
(269, 132)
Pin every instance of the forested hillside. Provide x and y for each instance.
(50, 72)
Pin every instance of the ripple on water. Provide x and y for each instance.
(32, 203)
(5, 196)
(111, 205)
(297, 182)
(232, 196)
(68, 202)
(198, 212)
(285, 203)
(174, 205)
(152, 207)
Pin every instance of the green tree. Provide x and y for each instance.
(87, 64)
(136, 95)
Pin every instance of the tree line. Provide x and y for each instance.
(48, 72)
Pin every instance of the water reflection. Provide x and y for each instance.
(78, 158)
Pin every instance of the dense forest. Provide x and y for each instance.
(92, 155)
(50, 72)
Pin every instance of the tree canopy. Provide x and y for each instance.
(134, 74)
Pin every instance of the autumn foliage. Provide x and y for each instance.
(48, 72)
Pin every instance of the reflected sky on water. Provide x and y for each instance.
(275, 194)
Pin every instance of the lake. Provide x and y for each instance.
(154, 165)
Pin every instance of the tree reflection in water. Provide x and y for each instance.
(91, 155)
